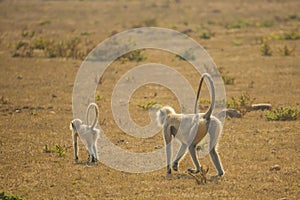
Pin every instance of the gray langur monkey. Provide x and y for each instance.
(88, 134)
(190, 129)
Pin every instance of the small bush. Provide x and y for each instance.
(59, 150)
(4, 196)
(41, 43)
(242, 103)
(289, 35)
(205, 35)
(23, 49)
(286, 51)
(283, 114)
(265, 49)
(136, 55)
(228, 80)
(69, 48)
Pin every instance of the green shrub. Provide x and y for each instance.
(286, 51)
(4, 196)
(73, 47)
(59, 150)
(265, 49)
(228, 80)
(283, 114)
(99, 97)
(242, 103)
(149, 104)
(205, 35)
(289, 35)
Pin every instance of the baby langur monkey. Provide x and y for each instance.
(87, 134)
(190, 129)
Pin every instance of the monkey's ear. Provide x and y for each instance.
(73, 126)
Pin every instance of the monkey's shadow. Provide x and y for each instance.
(187, 176)
(86, 163)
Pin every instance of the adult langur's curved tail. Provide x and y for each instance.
(96, 117)
(213, 97)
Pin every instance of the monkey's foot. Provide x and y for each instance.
(193, 171)
(215, 178)
(169, 171)
(175, 166)
(94, 160)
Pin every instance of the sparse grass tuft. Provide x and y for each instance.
(59, 150)
(85, 33)
(237, 43)
(238, 24)
(228, 80)
(73, 47)
(136, 55)
(266, 23)
(150, 22)
(45, 22)
(149, 104)
(287, 113)
(205, 35)
(286, 51)
(4, 100)
(99, 97)
(265, 49)
(4, 196)
(289, 35)
(242, 103)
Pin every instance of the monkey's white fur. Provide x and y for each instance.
(88, 134)
(190, 129)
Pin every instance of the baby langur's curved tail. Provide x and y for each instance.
(97, 114)
(162, 114)
(213, 96)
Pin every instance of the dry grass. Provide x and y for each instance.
(36, 97)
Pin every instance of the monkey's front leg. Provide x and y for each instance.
(168, 151)
(75, 146)
(167, 137)
(180, 154)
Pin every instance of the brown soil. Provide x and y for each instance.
(36, 99)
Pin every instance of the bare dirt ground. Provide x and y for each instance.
(36, 98)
